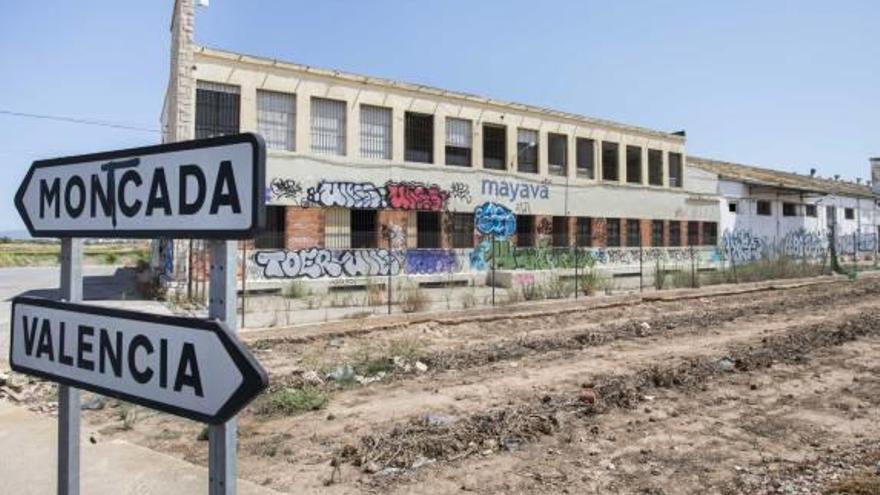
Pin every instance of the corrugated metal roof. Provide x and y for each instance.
(776, 178)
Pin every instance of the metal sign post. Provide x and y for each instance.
(68, 397)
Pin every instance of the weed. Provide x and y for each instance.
(659, 276)
(558, 288)
(290, 401)
(532, 291)
(367, 363)
(592, 281)
(375, 293)
(111, 258)
(128, 414)
(469, 299)
(513, 296)
(409, 348)
(414, 299)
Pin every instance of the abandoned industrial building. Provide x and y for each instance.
(368, 176)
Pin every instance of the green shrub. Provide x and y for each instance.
(292, 400)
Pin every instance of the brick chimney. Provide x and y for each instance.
(178, 113)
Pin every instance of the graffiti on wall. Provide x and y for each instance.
(495, 219)
(284, 189)
(416, 196)
(395, 195)
(431, 261)
(802, 243)
(742, 245)
(514, 191)
(461, 192)
(319, 262)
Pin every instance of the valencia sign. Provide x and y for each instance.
(208, 188)
(189, 367)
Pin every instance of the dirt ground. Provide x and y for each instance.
(758, 389)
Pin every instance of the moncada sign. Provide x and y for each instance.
(206, 188)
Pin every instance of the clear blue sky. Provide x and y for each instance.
(784, 84)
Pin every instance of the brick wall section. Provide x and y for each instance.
(666, 237)
(600, 232)
(387, 218)
(645, 227)
(571, 224)
(304, 227)
(684, 233)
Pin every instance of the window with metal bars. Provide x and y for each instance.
(328, 126)
(462, 230)
(693, 233)
(557, 154)
(657, 233)
(584, 235)
(375, 132)
(585, 165)
(418, 137)
(612, 232)
(276, 119)
(675, 233)
(655, 167)
(459, 137)
(789, 209)
(273, 236)
(764, 208)
(217, 109)
(494, 147)
(610, 164)
(633, 164)
(710, 233)
(428, 229)
(363, 229)
(525, 230)
(633, 233)
(560, 231)
(527, 150)
(810, 210)
(676, 170)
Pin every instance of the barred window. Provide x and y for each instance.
(633, 164)
(764, 208)
(557, 158)
(610, 165)
(693, 233)
(217, 109)
(494, 147)
(810, 210)
(428, 229)
(655, 167)
(612, 231)
(458, 142)
(419, 137)
(710, 233)
(676, 172)
(525, 228)
(584, 231)
(462, 230)
(328, 126)
(527, 150)
(657, 234)
(560, 231)
(789, 209)
(375, 132)
(276, 119)
(675, 233)
(363, 232)
(585, 160)
(633, 233)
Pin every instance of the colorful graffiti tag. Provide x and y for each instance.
(319, 262)
(415, 196)
(395, 195)
(495, 219)
(431, 261)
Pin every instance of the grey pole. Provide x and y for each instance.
(68, 397)
(222, 439)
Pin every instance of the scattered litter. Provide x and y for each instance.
(96, 403)
(341, 373)
(421, 367)
(725, 364)
(434, 419)
(312, 377)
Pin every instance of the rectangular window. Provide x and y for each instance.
(655, 167)
(658, 234)
(789, 209)
(764, 208)
(633, 233)
(363, 229)
(375, 132)
(710, 233)
(675, 233)
(428, 229)
(217, 109)
(494, 147)
(560, 231)
(328, 126)
(585, 164)
(584, 231)
(462, 230)
(633, 165)
(810, 210)
(527, 150)
(693, 233)
(732, 207)
(525, 228)
(458, 142)
(676, 170)
(274, 235)
(612, 231)
(849, 214)
(557, 158)
(276, 119)
(419, 137)
(610, 161)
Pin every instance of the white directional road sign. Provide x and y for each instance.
(209, 188)
(185, 366)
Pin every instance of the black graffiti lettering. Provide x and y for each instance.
(144, 375)
(225, 181)
(129, 209)
(83, 347)
(107, 352)
(188, 371)
(158, 197)
(75, 182)
(191, 207)
(49, 196)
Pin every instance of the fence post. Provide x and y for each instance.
(693, 267)
(390, 265)
(576, 272)
(856, 251)
(733, 265)
(641, 261)
(493, 269)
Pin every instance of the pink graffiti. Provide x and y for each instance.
(415, 196)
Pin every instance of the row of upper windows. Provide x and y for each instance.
(765, 208)
(218, 110)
